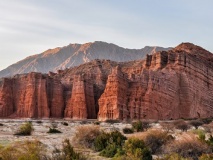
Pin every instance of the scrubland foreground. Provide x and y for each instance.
(78, 140)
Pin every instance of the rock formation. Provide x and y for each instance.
(166, 85)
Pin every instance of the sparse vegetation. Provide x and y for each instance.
(65, 123)
(136, 149)
(196, 123)
(155, 139)
(25, 129)
(67, 152)
(53, 130)
(182, 125)
(27, 150)
(206, 120)
(172, 156)
(39, 122)
(188, 147)
(97, 123)
(109, 144)
(128, 130)
(112, 121)
(137, 126)
(85, 135)
(167, 126)
(206, 157)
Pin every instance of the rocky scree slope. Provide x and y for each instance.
(166, 85)
(74, 55)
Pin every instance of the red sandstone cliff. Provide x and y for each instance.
(166, 85)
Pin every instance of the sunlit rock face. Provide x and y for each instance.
(165, 85)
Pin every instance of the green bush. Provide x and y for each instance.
(128, 130)
(136, 149)
(109, 143)
(101, 141)
(109, 151)
(25, 129)
(67, 152)
(117, 138)
(53, 130)
(137, 126)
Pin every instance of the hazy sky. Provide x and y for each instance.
(29, 27)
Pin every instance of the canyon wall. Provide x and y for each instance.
(166, 85)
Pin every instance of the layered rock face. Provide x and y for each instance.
(166, 85)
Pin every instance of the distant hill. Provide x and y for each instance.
(74, 55)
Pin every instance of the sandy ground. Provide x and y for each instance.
(41, 128)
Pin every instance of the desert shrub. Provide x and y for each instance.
(206, 157)
(27, 150)
(97, 123)
(109, 151)
(210, 141)
(101, 141)
(39, 122)
(196, 123)
(188, 147)
(65, 123)
(128, 130)
(25, 129)
(54, 125)
(85, 135)
(117, 138)
(67, 152)
(112, 121)
(53, 130)
(109, 143)
(1, 124)
(136, 149)
(206, 120)
(167, 126)
(137, 126)
(182, 125)
(172, 156)
(146, 124)
(155, 139)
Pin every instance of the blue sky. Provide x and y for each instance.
(29, 27)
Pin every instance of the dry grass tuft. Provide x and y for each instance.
(85, 135)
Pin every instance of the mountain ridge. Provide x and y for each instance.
(74, 55)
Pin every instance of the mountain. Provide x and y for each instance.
(74, 55)
(166, 85)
